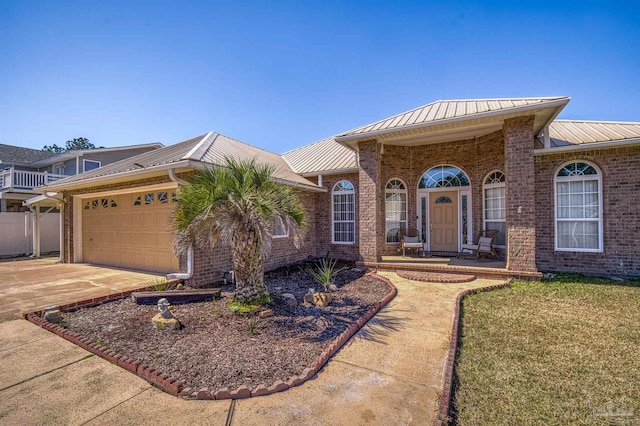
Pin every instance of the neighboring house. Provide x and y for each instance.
(22, 170)
(561, 193)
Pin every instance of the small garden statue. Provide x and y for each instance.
(165, 319)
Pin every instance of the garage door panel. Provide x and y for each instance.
(129, 231)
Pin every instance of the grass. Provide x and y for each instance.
(561, 351)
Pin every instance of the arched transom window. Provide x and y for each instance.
(344, 213)
(495, 205)
(395, 195)
(578, 209)
(443, 177)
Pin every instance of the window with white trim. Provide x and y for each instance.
(90, 165)
(395, 195)
(344, 213)
(578, 209)
(279, 229)
(495, 205)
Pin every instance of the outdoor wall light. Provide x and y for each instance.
(519, 209)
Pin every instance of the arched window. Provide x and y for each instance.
(578, 211)
(495, 205)
(344, 213)
(395, 196)
(443, 177)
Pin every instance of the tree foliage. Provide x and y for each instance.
(238, 204)
(71, 145)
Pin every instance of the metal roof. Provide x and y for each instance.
(447, 110)
(210, 148)
(16, 154)
(578, 132)
(321, 156)
(222, 146)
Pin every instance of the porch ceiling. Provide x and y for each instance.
(457, 127)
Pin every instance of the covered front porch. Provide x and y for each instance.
(450, 179)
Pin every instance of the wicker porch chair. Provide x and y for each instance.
(410, 239)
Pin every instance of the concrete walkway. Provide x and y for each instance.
(390, 373)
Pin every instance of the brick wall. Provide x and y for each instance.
(476, 157)
(621, 187)
(520, 194)
(370, 219)
(323, 220)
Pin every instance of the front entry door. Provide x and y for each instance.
(443, 221)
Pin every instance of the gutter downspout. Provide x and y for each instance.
(189, 273)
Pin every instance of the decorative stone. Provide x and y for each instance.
(180, 286)
(333, 287)
(322, 299)
(290, 299)
(52, 314)
(266, 313)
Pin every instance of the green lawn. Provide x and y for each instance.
(562, 351)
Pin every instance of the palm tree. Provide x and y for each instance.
(238, 203)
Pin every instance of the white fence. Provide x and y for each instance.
(16, 233)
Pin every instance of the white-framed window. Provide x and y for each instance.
(495, 206)
(343, 211)
(279, 229)
(578, 207)
(58, 169)
(90, 165)
(395, 198)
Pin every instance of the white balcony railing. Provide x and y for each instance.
(24, 179)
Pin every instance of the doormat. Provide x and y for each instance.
(443, 253)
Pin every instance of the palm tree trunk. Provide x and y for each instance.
(247, 260)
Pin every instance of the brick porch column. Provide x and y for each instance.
(370, 228)
(520, 194)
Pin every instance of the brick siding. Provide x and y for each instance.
(621, 214)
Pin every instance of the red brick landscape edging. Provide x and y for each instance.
(175, 387)
(435, 277)
(444, 407)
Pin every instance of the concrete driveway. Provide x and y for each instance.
(29, 285)
(390, 373)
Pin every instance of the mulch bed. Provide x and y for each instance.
(217, 348)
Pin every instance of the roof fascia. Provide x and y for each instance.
(107, 178)
(587, 146)
(330, 172)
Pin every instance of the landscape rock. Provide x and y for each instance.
(321, 299)
(290, 299)
(52, 314)
(266, 313)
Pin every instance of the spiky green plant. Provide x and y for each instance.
(238, 204)
(324, 272)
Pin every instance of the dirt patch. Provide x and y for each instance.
(217, 348)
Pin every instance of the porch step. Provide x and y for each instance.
(436, 277)
(477, 271)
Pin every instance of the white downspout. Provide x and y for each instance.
(189, 273)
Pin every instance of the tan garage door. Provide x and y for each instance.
(129, 231)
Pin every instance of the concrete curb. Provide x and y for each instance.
(175, 387)
(444, 407)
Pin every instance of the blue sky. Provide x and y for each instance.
(280, 75)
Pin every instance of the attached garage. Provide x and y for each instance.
(129, 230)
